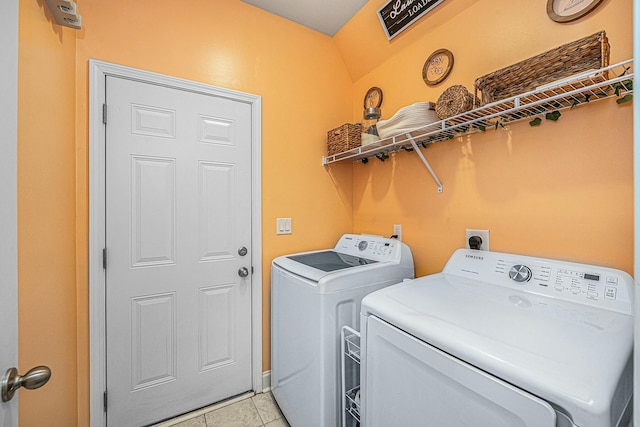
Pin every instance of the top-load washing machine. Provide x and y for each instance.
(500, 340)
(313, 295)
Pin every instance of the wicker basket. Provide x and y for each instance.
(589, 53)
(343, 138)
(453, 101)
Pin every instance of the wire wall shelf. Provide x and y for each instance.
(580, 89)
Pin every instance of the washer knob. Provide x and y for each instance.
(520, 273)
(363, 245)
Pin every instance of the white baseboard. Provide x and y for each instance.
(266, 381)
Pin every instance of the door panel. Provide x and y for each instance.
(217, 337)
(178, 207)
(216, 210)
(153, 343)
(153, 211)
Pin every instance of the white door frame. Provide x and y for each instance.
(9, 202)
(98, 71)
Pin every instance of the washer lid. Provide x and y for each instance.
(570, 354)
(330, 260)
(322, 266)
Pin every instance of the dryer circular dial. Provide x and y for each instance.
(363, 245)
(520, 273)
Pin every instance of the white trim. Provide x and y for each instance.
(98, 71)
(9, 202)
(266, 381)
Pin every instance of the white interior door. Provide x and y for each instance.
(178, 213)
(8, 202)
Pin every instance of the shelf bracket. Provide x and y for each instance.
(426, 163)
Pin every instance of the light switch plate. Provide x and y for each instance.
(283, 225)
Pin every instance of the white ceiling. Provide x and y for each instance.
(325, 16)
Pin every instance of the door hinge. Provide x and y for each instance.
(252, 269)
(104, 258)
(104, 399)
(104, 113)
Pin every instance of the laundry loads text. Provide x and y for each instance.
(397, 15)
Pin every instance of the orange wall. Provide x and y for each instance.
(46, 215)
(521, 183)
(305, 91)
(562, 190)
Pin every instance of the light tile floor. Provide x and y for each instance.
(255, 411)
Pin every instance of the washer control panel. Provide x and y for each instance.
(586, 284)
(369, 246)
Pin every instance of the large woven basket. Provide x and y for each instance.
(344, 138)
(589, 53)
(453, 101)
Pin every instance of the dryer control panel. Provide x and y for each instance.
(581, 283)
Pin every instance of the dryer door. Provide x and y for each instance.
(407, 382)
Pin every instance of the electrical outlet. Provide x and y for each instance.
(483, 234)
(397, 231)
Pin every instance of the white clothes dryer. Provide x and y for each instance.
(500, 340)
(313, 295)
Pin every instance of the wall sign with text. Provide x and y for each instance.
(397, 15)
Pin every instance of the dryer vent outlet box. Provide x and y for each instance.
(482, 234)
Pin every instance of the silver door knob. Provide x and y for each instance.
(243, 272)
(35, 378)
(242, 251)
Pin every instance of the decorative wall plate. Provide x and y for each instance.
(570, 10)
(373, 98)
(437, 67)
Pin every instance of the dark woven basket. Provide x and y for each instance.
(589, 53)
(344, 138)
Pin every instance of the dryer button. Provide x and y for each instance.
(610, 292)
(520, 273)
